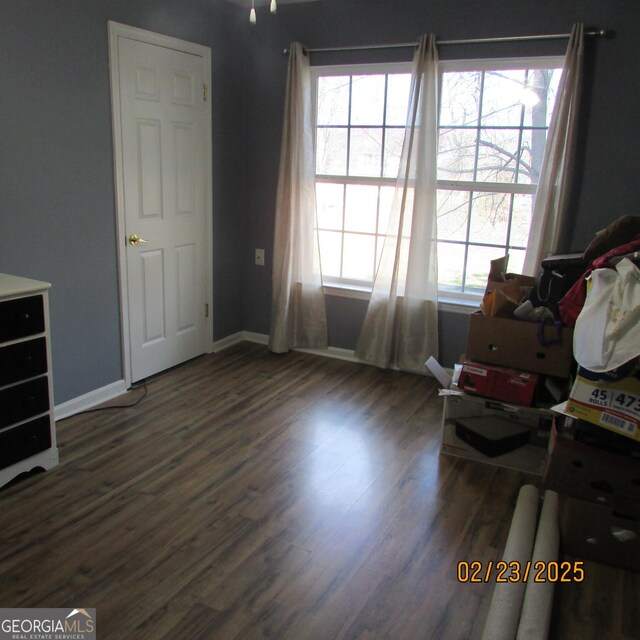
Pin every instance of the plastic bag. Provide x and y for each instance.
(607, 331)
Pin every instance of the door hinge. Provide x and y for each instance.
(205, 92)
(206, 310)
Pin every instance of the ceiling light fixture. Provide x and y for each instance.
(252, 14)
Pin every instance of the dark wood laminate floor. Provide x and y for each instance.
(251, 495)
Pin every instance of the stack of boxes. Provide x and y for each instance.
(587, 449)
(594, 464)
(508, 366)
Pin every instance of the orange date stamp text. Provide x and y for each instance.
(514, 571)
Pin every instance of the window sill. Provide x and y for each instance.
(347, 291)
(446, 303)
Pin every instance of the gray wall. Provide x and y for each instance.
(57, 201)
(57, 204)
(605, 184)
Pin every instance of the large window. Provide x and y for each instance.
(494, 117)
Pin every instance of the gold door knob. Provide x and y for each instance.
(135, 239)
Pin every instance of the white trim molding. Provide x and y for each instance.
(263, 338)
(236, 338)
(89, 400)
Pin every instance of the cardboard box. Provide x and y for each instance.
(614, 405)
(591, 474)
(498, 383)
(510, 278)
(597, 532)
(529, 458)
(516, 344)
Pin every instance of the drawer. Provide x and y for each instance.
(21, 317)
(24, 441)
(23, 360)
(23, 400)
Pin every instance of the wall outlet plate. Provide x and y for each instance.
(260, 257)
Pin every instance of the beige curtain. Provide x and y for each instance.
(298, 316)
(401, 324)
(549, 217)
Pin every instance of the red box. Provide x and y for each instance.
(507, 385)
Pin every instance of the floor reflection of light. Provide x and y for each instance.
(339, 472)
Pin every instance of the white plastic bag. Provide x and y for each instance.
(607, 331)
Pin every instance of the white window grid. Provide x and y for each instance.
(471, 187)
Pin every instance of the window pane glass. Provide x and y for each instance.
(398, 87)
(386, 202)
(533, 143)
(450, 265)
(365, 154)
(539, 96)
(478, 265)
(394, 139)
(490, 218)
(516, 260)
(554, 81)
(358, 258)
(497, 155)
(456, 154)
(367, 100)
(333, 100)
(330, 252)
(331, 153)
(329, 201)
(361, 208)
(460, 99)
(501, 102)
(521, 222)
(453, 214)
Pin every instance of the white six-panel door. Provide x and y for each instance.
(163, 131)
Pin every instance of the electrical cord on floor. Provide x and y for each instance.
(142, 384)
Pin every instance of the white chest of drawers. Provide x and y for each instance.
(27, 426)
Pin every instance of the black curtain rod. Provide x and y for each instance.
(406, 45)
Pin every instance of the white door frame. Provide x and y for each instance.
(117, 30)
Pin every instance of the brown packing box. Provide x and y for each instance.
(597, 532)
(515, 344)
(523, 281)
(502, 297)
(588, 473)
(599, 501)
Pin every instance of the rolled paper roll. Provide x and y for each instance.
(506, 602)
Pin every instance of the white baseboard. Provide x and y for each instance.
(240, 336)
(262, 338)
(258, 338)
(98, 396)
(89, 400)
(334, 352)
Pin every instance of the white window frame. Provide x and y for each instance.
(447, 300)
